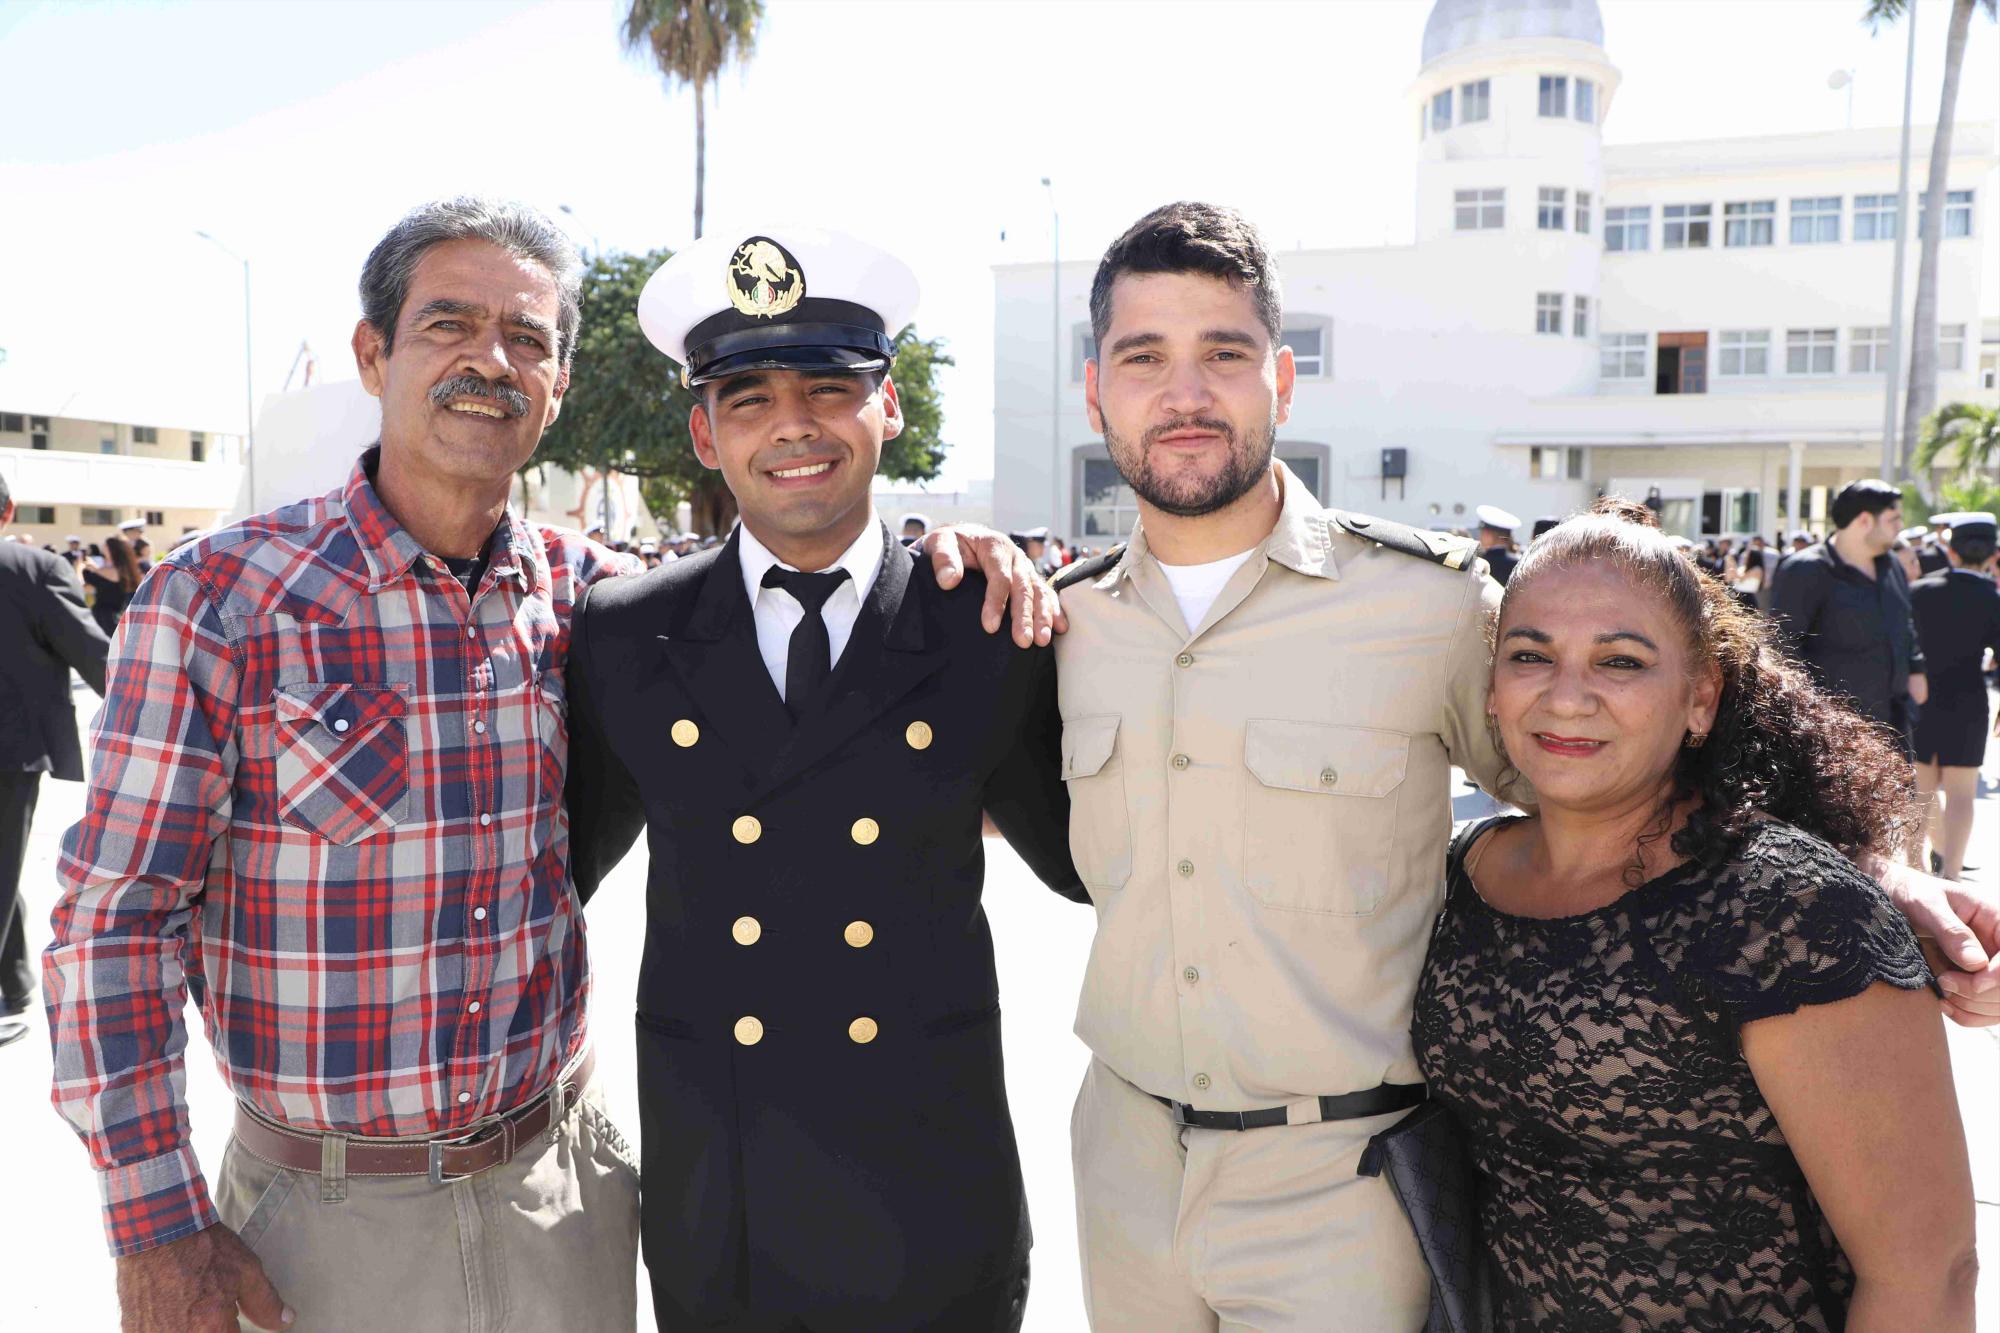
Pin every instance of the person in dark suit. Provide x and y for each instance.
(1496, 541)
(809, 728)
(1958, 619)
(44, 632)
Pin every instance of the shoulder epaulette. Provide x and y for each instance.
(1440, 548)
(1086, 569)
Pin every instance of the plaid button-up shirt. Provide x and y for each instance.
(326, 800)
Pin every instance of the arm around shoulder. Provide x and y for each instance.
(1026, 797)
(604, 805)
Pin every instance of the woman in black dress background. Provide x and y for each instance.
(112, 587)
(1957, 612)
(1692, 1046)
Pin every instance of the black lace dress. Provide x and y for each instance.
(1632, 1176)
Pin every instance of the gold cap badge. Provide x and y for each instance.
(764, 279)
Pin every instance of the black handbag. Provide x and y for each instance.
(1423, 1156)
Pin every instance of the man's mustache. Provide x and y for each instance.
(506, 396)
(1209, 424)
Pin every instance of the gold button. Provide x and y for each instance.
(747, 930)
(862, 1031)
(866, 831)
(749, 1031)
(919, 735)
(1327, 777)
(685, 733)
(859, 934)
(747, 829)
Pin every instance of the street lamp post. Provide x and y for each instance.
(1892, 455)
(1055, 360)
(249, 410)
(604, 499)
(1844, 78)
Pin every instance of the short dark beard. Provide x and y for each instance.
(1249, 460)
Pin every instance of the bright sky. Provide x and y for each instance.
(296, 132)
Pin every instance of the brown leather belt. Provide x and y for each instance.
(484, 1144)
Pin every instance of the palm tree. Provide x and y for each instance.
(1969, 433)
(1923, 320)
(691, 41)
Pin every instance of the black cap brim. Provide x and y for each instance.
(843, 360)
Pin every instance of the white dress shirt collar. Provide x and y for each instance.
(862, 560)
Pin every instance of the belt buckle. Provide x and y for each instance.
(476, 1131)
(1183, 1115)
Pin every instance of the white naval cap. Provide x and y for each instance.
(1917, 533)
(1493, 516)
(132, 525)
(784, 298)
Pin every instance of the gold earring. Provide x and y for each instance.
(1695, 740)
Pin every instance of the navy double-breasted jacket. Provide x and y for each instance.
(825, 1124)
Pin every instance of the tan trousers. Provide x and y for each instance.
(1264, 1230)
(548, 1241)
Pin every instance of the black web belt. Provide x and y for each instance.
(1378, 1100)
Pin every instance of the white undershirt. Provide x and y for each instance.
(1197, 586)
(778, 613)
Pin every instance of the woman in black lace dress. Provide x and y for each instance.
(1691, 1045)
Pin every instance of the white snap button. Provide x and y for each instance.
(478, 914)
(472, 1008)
(479, 727)
(464, 1097)
(340, 724)
(484, 820)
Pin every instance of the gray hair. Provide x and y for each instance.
(514, 227)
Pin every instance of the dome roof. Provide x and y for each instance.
(1455, 24)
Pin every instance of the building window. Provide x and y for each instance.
(1685, 226)
(1874, 217)
(1868, 350)
(107, 446)
(197, 446)
(1583, 211)
(1555, 95)
(1621, 356)
(1681, 363)
(1586, 101)
(1957, 212)
(1816, 221)
(1475, 101)
(1306, 467)
(1580, 317)
(97, 518)
(1548, 312)
(1744, 352)
(12, 423)
(1951, 347)
(1309, 350)
(1550, 206)
(1441, 110)
(38, 513)
(1752, 223)
(1628, 228)
(145, 435)
(1555, 463)
(1479, 210)
(1109, 507)
(1810, 351)
(39, 440)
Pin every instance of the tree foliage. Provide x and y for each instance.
(690, 41)
(625, 410)
(1964, 437)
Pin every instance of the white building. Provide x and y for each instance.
(1705, 318)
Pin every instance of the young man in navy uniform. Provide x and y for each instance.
(809, 728)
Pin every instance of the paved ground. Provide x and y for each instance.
(51, 1248)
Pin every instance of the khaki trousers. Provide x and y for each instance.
(1264, 1230)
(547, 1241)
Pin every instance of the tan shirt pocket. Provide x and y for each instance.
(1100, 829)
(1319, 819)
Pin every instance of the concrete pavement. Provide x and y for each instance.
(51, 1242)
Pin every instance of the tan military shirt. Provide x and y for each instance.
(1261, 807)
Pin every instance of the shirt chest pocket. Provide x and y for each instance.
(343, 759)
(1100, 831)
(1319, 820)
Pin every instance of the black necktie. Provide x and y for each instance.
(809, 660)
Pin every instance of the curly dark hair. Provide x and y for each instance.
(1781, 747)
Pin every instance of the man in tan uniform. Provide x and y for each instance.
(1262, 701)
